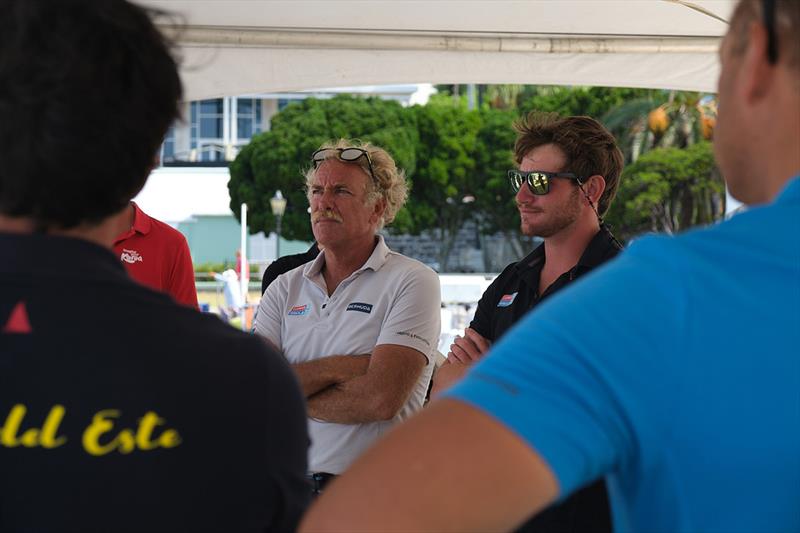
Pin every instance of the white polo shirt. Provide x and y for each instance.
(391, 299)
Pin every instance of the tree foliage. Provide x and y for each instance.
(668, 190)
(278, 159)
(445, 180)
(456, 159)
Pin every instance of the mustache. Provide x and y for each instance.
(325, 214)
(528, 207)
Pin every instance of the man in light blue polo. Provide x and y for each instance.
(673, 371)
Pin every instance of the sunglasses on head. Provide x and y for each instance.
(538, 180)
(345, 154)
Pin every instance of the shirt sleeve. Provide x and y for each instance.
(482, 321)
(271, 463)
(182, 287)
(414, 318)
(572, 379)
(270, 312)
(287, 445)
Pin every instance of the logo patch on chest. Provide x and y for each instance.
(299, 310)
(507, 300)
(359, 306)
(130, 256)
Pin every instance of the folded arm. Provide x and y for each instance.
(463, 353)
(319, 374)
(376, 395)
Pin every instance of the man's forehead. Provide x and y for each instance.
(546, 153)
(333, 172)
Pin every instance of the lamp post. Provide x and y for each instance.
(278, 205)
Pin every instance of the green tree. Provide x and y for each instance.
(661, 119)
(567, 101)
(668, 190)
(277, 159)
(495, 207)
(444, 186)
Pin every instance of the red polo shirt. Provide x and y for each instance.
(157, 256)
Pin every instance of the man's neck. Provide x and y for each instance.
(563, 250)
(340, 262)
(102, 234)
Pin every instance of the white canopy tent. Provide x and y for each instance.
(232, 47)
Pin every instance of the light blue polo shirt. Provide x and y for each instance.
(674, 371)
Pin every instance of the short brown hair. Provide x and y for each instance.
(787, 25)
(589, 147)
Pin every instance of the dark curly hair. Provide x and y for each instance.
(588, 146)
(88, 89)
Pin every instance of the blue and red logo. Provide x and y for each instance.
(507, 300)
(299, 310)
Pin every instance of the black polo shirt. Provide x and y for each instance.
(512, 294)
(123, 411)
(285, 264)
(516, 290)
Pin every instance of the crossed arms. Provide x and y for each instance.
(356, 389)
(463, 353)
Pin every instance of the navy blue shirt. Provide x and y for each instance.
(512, 295)
(123, 411)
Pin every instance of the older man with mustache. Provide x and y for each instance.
(360, 322)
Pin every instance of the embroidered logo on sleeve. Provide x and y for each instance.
(413, 336)
(130, 256)
(360, 306)
(507, 300)
(299, 310)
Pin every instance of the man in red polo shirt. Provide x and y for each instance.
(157, 256)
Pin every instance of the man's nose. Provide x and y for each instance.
(325, 199)
(524, 195)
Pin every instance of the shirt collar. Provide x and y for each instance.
(596, 252)
(59, 256)
(375, 261)
(141, 222)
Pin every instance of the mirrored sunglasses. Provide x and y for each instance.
(538, 180)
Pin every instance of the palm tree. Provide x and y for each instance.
(662, 119)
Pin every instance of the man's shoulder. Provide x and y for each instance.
(165, 231)
(398, 262)
(510, 274)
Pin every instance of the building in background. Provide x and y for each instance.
(190, 190)
(215, 130)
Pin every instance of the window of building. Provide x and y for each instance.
(207, 129)
(168, 148)
(248, 118)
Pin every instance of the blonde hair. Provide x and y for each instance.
(389, 183)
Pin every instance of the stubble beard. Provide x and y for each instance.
(560, 217)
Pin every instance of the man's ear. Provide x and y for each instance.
(756, 71)
(379, 208)
(594, 187)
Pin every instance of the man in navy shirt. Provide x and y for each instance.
(569, 170)
(120, 410)
(672, 371)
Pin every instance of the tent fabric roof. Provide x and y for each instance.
(232, 47)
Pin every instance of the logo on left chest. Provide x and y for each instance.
(130, 256)
(507, 300)
(360, 307)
